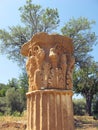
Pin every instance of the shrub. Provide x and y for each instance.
(79, 106)
(95, 110)
(16, 113)
(1, 114)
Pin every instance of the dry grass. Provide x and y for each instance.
(11, 118)
(19, 123)
(86, 123)
(13, 123)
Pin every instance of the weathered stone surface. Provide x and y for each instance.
(50, 110)
(49, 66)
(50, 61)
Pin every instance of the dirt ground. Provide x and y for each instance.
(21, 126)
(85, 123)
(12, 126)
(13, 123)
(87, 127)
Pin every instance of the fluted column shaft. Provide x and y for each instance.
(50, 110)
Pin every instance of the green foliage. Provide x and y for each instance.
(86, 83)
(95, 106)
(13, 100)
(11, 42)
(13, 83)
(79, 106)
(38, 19)
(3, 89)
(3, 105)
(86, 79)
(83, 38)
(95, 110)
(35, 19)
(1, 114)
(16, 113)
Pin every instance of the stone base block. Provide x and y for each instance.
(50, 110)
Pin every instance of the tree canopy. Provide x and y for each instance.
(13, 96)
(86, 83)
(35, 19)
(80, 30)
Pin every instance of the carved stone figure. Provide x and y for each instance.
(53, 57)
(50, 61)
(46, 73)
(70, 72)
(49, 66)
(39, 54)
(31, 67)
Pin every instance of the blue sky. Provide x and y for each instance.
(9, 16)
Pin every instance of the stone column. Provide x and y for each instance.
(49, 66)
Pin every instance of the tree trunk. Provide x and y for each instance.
(88, 104)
